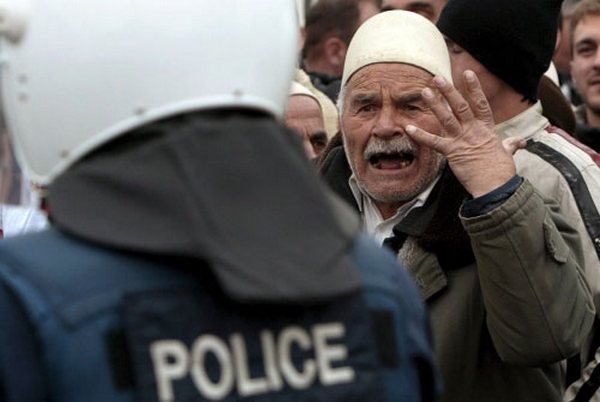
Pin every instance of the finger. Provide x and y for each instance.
(512, 145)
(422, 137)
(460, 107)
(479, 104)
(440, 109)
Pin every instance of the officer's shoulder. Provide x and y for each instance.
(54, 259)
(46, 248)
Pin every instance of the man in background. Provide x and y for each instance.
(562, 55)
(585, 70)
(330, 25)
(304, 116)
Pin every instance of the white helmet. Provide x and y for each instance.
(301, 11)
(76, 74)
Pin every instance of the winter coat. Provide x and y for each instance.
(505, 290)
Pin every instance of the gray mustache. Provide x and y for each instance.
(395, 145)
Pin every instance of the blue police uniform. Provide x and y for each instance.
(99, 318)
(158, 283)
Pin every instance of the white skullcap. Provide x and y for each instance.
(299, 89)
(301, 12)
(398, 36)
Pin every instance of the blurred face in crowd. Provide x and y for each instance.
(429, 9)
(379, 100)
(367, 9)
(304, 116)
(585, 65)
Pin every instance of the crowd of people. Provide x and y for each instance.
(330, 200)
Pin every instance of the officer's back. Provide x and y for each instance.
(194, 254)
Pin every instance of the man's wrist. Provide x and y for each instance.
(491, 200)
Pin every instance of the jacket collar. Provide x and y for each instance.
(524, 125)
(441, 210)
(436, 229)
(437, 224)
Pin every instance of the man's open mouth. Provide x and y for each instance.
(394, 160)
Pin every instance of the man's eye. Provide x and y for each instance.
(585, 51)
(318, 141)
(366, 108)
(319, 144)
(412, 107)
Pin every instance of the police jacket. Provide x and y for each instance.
(102, 308)
(505, 290)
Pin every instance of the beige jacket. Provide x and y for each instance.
(564, 173)
(551, 176)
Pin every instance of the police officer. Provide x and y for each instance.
(193, 255)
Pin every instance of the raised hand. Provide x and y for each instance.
(474, 152)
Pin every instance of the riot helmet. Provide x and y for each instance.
(76, 75)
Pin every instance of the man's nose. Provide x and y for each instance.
(387, 124)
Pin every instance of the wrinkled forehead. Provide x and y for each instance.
(387, 74)
(302, 104)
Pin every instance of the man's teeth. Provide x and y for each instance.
(391, 161)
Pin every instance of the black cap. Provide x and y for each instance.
(513, 39)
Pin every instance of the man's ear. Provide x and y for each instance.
(335, 53)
